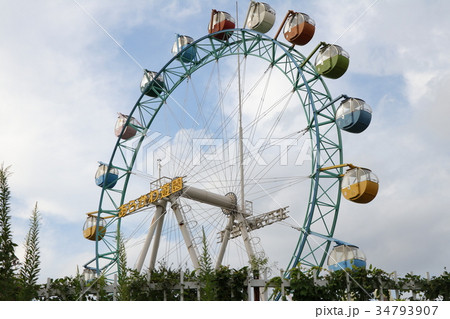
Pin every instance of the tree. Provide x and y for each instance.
(206, 271)
(8, 259)
(123, 280)
(29, 271)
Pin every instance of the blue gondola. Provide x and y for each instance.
(183, 45)
(353, 115)
(346, 257)
(105, 177)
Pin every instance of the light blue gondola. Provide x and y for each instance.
(184, 49)
(346, 257)
(353, 115)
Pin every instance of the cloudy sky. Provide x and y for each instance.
(63, 80)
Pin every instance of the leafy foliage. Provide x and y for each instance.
(361, 284)
(303, 286)
(437, 288)
(64, 289)
(124, 285)
(229, 284)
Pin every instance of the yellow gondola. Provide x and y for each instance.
(90, 228)
(359, 185)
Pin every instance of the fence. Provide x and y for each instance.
(257, 289)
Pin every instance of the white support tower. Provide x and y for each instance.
(157, 223)
(176, 207)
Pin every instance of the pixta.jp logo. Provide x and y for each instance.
(160, 150)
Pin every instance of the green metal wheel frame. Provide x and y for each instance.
(324, 197)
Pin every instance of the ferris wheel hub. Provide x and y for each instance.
(233, 197)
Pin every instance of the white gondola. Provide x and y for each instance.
(260, 17)
(89, 275)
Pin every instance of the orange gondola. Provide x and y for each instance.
(299, 28)
(220, 21)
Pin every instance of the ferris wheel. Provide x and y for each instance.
(234, 149)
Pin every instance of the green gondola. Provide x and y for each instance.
(332, 61)
(151, 85)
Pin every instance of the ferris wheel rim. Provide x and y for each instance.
(241, 40)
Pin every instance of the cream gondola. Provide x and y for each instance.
(353, 115)
(346, 257)
(151, 84)
(90, 230)
(220, 21)
(332, 61)
(260, 17)
(359, 185)
(183, 49)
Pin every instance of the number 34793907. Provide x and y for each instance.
(406, 310)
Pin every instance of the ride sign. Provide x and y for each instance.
(153, 196)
